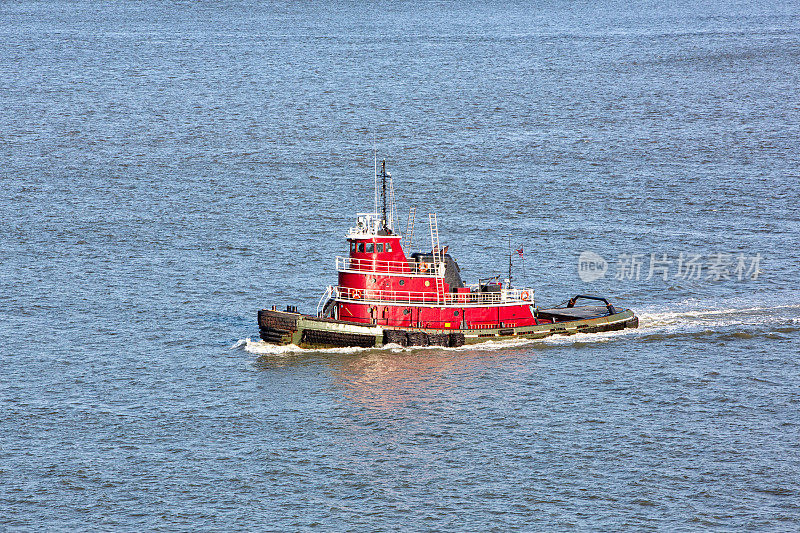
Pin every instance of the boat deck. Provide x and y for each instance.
(574, 313)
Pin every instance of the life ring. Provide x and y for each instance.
(356, 294)
(423, 267)
(525, 295)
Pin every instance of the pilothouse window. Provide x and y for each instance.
(379, 248)
(361, 247)
(370, 248)
(388, 247)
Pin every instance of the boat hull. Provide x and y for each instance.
(281, 327)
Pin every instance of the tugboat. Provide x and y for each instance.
(385, 297)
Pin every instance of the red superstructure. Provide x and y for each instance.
(379, 285)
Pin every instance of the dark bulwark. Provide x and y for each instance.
(306, 331)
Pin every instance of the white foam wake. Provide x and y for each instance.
(720, 318)
(263, 348)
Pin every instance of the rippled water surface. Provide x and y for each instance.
(170, 168)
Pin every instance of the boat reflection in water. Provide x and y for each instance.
(388, 380)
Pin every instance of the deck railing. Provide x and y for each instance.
(461, 299)
(402, 268)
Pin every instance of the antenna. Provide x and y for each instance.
(391, 203)
(383, 189)
(509, 260)
(375, 154)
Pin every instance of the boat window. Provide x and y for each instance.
(388, 247)
(370, 248)
(361, 247)
(379, 248)
(352, 247)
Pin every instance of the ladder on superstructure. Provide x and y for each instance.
(437, 256)
(409, 236)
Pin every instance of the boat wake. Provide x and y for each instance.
(260, 347)
(687, 320)
(773, 316)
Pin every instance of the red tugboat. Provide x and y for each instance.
(386, 297)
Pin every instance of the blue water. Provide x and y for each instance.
(170, 168)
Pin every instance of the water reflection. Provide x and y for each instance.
(387, 380)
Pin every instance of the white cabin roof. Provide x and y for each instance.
(369, 225)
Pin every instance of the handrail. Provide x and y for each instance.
(405, 268)
(325, 297)
(461, 299)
